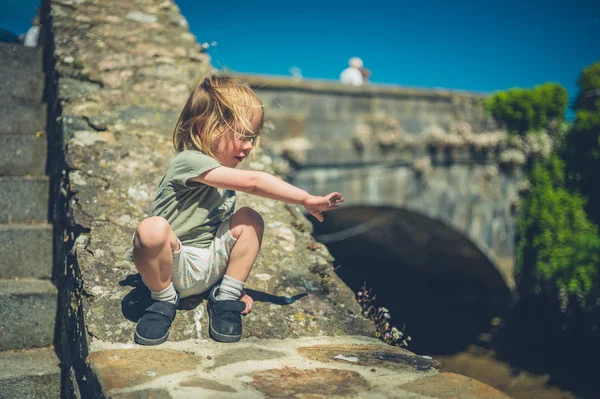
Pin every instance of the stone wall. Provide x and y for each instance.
(328, 114)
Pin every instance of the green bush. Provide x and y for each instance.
(589, 86)
(582, 144)
(523, 110)
(558, 248)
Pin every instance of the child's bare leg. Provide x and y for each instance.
(153, 248)
(224, 306)
(247, 227)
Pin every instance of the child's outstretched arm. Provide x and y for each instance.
(269, 186)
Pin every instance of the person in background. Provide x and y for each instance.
(353, 75)
(32, 36)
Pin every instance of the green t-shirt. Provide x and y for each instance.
(194, 210)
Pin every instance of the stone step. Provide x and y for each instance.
(25, 251)
(18, 118)
(17, 57)
(24, 199)
(21, 85)
(23, 155)
(27, 313)
(30, 374)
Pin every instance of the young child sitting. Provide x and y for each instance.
(194, 239)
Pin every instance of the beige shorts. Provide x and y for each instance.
(195, 270)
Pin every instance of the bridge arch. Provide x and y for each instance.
(464, 199)
(431, 276)
(424, 244)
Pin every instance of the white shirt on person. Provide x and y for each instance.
(32, 37)
(351, 76)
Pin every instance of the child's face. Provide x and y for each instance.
(233, 148)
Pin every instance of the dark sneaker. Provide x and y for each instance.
(153, 327)
(225, 318)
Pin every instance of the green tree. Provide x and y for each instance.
(582, 144)
(559, 248)
(523, 110)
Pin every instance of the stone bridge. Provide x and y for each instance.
(419, 170)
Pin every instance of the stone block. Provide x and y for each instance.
(27, 313)
(391, 357)
(22, 118)
(290, 382)
(25, 251)
(361, 105)
(143, 394)
(17, 57)
(21, 86)
(21, 74)
(23, 199)
(23, 155)
(122, 368)
(290, 125)
(71, 88)
(31, 374)
(450, 385)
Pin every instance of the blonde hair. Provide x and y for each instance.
(217, 106)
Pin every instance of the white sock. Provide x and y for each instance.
(230, 289)
(167, 295)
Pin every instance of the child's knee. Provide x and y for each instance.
(152, 232)
(248, 217)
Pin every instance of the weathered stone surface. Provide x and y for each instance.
(453, 386)
(27, 313)
(370, 355)
(244, 354)
(118, 138)
(12, 192)
(20, 74)
(70, 88)
(19, 118)
(206, 384)
(22, 155)
(143, 394)
(17, 259)
(127, 368)
(33, 373)
(318, 383)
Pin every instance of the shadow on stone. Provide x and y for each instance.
(260, 296)
(192, 302)
(137, 300)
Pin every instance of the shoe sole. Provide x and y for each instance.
(148, 341)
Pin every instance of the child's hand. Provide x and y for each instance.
(248, 300)
(316, 205)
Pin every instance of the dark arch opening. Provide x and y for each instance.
(432, 278)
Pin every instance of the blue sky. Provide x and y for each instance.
(470, 45)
